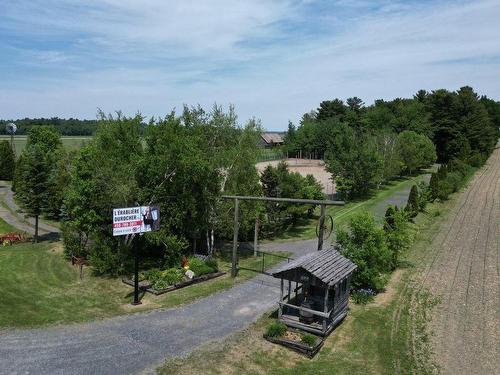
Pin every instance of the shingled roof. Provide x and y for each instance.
(327, 265)
(271, 138)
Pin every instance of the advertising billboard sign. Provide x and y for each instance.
(140, 219)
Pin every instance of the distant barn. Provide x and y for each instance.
(269, 140)
(318, 291)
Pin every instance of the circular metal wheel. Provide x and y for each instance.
(327, 227)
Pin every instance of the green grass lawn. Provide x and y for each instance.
(5, 227)
(386, 336)
(40, 287)
(306, 229)
(70, 143)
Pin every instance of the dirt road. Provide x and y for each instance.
(462, 271)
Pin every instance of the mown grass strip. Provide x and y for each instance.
(40, 287)
(6, 227)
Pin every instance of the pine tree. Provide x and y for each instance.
(7, 161)
(34, 172)
(434, 186)
(412, 205)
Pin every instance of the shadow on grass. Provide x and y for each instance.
(49, 237)
(142, 293)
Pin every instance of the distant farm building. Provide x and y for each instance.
(269, 140)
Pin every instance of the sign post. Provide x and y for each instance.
(136, 278)
(131, 221)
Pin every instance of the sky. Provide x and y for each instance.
(273, 60)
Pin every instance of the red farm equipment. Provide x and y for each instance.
(11, 238)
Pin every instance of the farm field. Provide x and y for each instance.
(439, 313)
(40, 287)
(461, 270)
(70, 143)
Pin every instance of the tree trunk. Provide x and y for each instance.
(36, 228)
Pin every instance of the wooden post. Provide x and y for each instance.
(234, 271)
(289, 289)
(256, 237)
(280, 310)
(325, 310)
(321, 227)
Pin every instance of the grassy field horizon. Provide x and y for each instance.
(69, 142)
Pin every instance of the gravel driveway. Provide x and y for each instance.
(133, 343)
(16, 217)
(140, 342)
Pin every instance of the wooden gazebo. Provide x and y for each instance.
(318, 291)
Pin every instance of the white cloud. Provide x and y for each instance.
(157, 57)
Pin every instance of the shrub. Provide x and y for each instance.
(389, 218)
(73, 244)
(433, 187)
(151, 275)
(397, 236)
(201, 267)
(276, 329)
(457, 165)
(162, 279)
(308, 339)
(423, 195)
(160, 284)
(104, 260)
(172, 275)
(212, 263)
(363, 296)
(455, 179)
(412, 206)
(365, 245)
(444, 189)
(476, 160)
(442, 172)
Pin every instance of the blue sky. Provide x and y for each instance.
(274, 60)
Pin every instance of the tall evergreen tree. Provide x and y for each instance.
(48, 143)
(412, 206)
(34, 174)
(7, 161)
(331, 108)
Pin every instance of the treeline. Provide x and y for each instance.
(67, 127)
(365, 146)
(182, 163)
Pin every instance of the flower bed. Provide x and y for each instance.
(145, 285)
(304, 343)
(193, 270)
